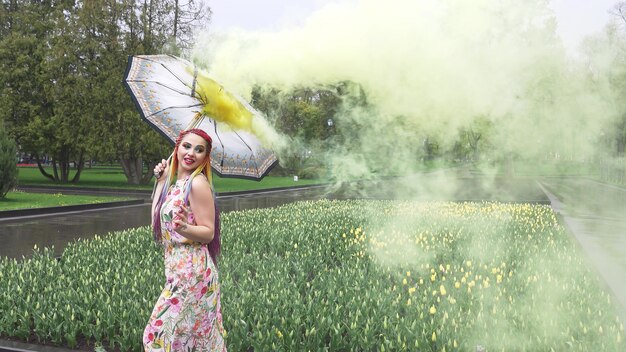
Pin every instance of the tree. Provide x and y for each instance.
(62, 63)
(620, 76)
(119, 135)
(302, 115)
(8, 167)
(24, 103)
(141, 27)
(606, 71)
(473, 140)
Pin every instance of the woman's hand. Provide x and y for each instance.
(160, 170)
(181, 219)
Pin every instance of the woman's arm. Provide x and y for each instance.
(203, 209)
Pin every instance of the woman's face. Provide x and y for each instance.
(191, 152)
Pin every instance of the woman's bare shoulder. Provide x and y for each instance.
(200, 183)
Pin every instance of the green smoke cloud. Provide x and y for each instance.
(428, 69)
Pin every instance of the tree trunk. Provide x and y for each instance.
(508, 166)
(175, 20)
(41, 169)
(133, 169)
(12, 10)
(56, 172)
(79, 167)
(624, 170)
(148, 175)
(65, 170)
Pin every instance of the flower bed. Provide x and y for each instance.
(346, 275)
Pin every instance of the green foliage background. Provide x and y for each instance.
(61, 69)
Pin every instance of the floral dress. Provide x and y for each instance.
(187, 316)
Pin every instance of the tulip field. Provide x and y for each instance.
(356, 275)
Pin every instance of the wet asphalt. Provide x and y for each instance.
(19, 234)
(595, 214)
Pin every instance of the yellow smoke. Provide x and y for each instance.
(227, 108)
(222, 105)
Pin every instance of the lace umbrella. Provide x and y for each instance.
(172, 95)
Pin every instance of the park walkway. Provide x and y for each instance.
(20, 234)
(595, 214)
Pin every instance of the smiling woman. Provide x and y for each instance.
(187, 315)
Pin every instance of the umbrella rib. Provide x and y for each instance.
(173, 107)
(221, 143)
(244, 142)
(161, 84)
(170, 71)
(251, 151)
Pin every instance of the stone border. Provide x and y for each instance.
(603, 268)
(89, 190)
(10, 214)
(148, 193)
(16, 346)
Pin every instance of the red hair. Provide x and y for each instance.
(195, 131)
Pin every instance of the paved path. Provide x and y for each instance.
(20, 234)
(595, 215)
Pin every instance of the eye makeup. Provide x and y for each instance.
(197, 149)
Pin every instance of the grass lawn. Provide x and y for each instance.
(23, 200)
(113, 177)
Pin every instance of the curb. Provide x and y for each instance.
(12, 214)
(569, 225)
(79, 188)
(148, 193)
(16, 346)
(6, 214)
(265, 190)
(86, 190)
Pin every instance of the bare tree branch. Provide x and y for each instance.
(619, 10)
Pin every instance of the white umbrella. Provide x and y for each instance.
(172, 95)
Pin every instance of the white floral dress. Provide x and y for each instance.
(187, 316)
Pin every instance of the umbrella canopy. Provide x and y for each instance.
(172, 95)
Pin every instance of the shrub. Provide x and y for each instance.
(8, 167)
(312, 172)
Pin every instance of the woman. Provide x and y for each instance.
(187, 315)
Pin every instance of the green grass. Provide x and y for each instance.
(23, 200)
(339, 276)
(113, 177)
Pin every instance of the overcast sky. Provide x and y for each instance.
(576, 18)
